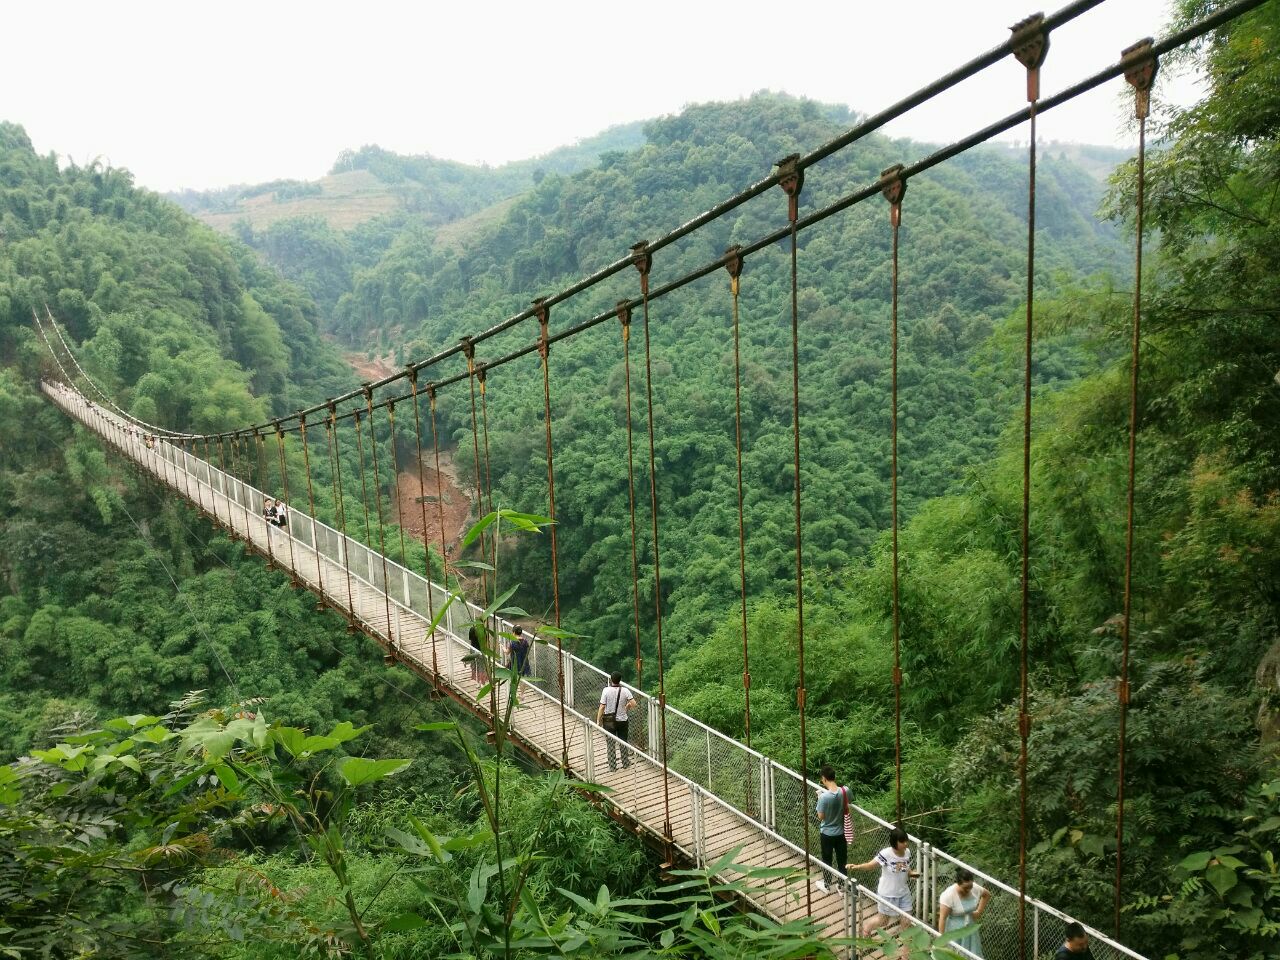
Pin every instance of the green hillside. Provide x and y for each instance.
(115, 600)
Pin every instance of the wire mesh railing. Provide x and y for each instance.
(757, 803)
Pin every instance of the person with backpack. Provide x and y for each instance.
(832, 814)
(615, 701)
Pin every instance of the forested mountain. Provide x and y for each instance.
(962, 274)
(318, 233)
(118, 600)
(195, 331)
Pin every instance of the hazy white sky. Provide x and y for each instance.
(189, 94)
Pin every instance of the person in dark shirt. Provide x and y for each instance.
(1076, 945)
(518, 651)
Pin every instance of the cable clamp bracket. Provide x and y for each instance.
(624, 318)
(733, 262)
(642, 260)
(791, 180)
(1140, 68)
(1030, 42)
(543, 313)
(894, 187)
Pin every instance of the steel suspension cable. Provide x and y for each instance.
(542, 311)
(1140, 75)
(395, 470)
(444, 566)
(624, 319)
(791, 179)
(311, 505)
(224, 480)
(344, 551)
(734, 266)
(930, 91)
(426, 547)
(382, 531)
(1030, 46)
(894, 188)
(364, 484)
(99, 391)
(263, 484)
(468, 349)
(482, 377)
(244, 495)
(643, 261)
(186, 472)
(213, 493)
(288, 506)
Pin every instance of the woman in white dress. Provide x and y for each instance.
(963, 903)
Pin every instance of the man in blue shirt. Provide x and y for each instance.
(833, 801)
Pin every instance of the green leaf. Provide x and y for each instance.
(1196, 861)
(408, 843)
(1221, 877)
(437, 725)
(430, 839)
(130, 761)
(358, 771)
(226, 777)
(207, 735)
(405, 921)
(8, 793)
(132, 722)
(478, 528)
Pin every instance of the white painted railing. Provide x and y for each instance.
(715, 770)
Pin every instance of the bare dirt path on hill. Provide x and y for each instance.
(457, 505)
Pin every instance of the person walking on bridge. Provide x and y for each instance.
(518, 650)
(615, 702)
(832, 808)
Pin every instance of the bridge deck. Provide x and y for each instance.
(732, 800)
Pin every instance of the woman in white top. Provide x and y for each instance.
(894, 887)
(963, 903)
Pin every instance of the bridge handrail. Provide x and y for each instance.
(771, 767)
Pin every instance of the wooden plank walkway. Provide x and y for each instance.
(703, 826)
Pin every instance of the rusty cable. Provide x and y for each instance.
(481, 378)
(791, 179)
(734, 266)
(1140, 75)
(894, 189)
(468, 350)
(382, 530)
(421, 501)
(642, 258)
(624, 320)
(542, 312)
(1030, 45)
(311, 507)
(345, 552)
(288, 506)
(444, 566)
(395, 471)
(262, 485)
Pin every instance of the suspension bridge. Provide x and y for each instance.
(691, 789)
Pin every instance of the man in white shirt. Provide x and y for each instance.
(615, 701)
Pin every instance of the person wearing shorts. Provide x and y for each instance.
(894, 887)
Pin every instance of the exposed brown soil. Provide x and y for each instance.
(457, 505)
(370, 370)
